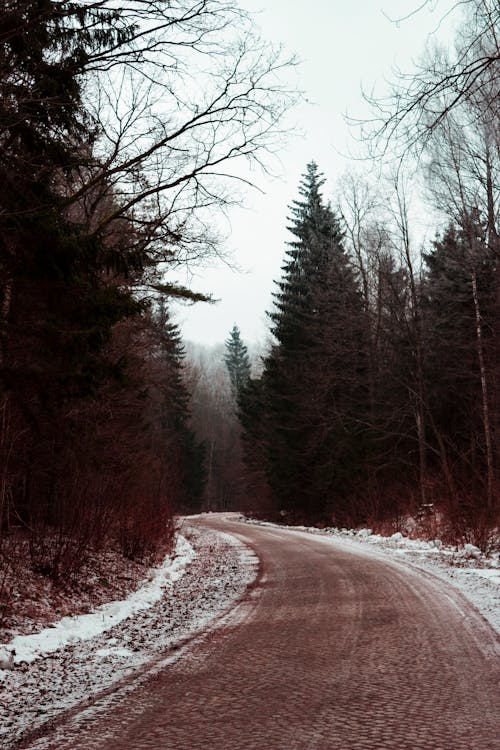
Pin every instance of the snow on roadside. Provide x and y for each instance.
(23, 649)
(475, 575)
(32, 694)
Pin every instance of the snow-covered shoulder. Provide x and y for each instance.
(23, 649)
(85, 658)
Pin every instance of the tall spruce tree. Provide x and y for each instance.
(313, 388)
(237, 362)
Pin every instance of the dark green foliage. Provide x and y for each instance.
(313, 389)
(179, 440)
(89, 377)
(237, 362)
(57, 303)
(452, 363)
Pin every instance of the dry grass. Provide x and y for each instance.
(30, 601)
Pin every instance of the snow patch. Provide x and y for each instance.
(136, 648)
(24, 649)
(114, 651)
(492, 574)
(364, 533)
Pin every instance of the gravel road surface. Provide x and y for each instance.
(333, 649)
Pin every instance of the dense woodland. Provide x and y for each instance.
(379, 393)
(117, 124)
(216, 377)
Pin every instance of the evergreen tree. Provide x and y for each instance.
(52, 263)
(313, 388)
(460, 308)
(237, 362)
(181, 450)
(58, 304)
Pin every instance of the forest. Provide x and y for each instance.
(378, 394)
(117, 124)
(377, 398)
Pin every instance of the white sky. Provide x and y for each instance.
(343, 46)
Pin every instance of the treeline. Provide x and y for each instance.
(380, 393)
(113, 123)
(215, 376)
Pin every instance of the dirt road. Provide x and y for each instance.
(334, 649)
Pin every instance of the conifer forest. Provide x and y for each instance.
(377, 393)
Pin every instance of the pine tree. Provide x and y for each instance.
(52, 263)
(237, 362)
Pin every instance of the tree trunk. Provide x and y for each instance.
(4, 317)
(484, 392)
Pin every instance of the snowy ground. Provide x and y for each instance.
(475, 575)
(31, 601)
(82, 658)
(85, 659)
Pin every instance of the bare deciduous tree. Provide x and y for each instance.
(419, 100)
(177, 107)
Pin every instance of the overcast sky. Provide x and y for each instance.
(343, 47)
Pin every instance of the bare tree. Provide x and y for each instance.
(170, 102)
(363, 210)
(417, 390)
(419, 100)
(178, 106)
(461, 180)
(462, 165)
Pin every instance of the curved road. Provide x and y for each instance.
(336, 649)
